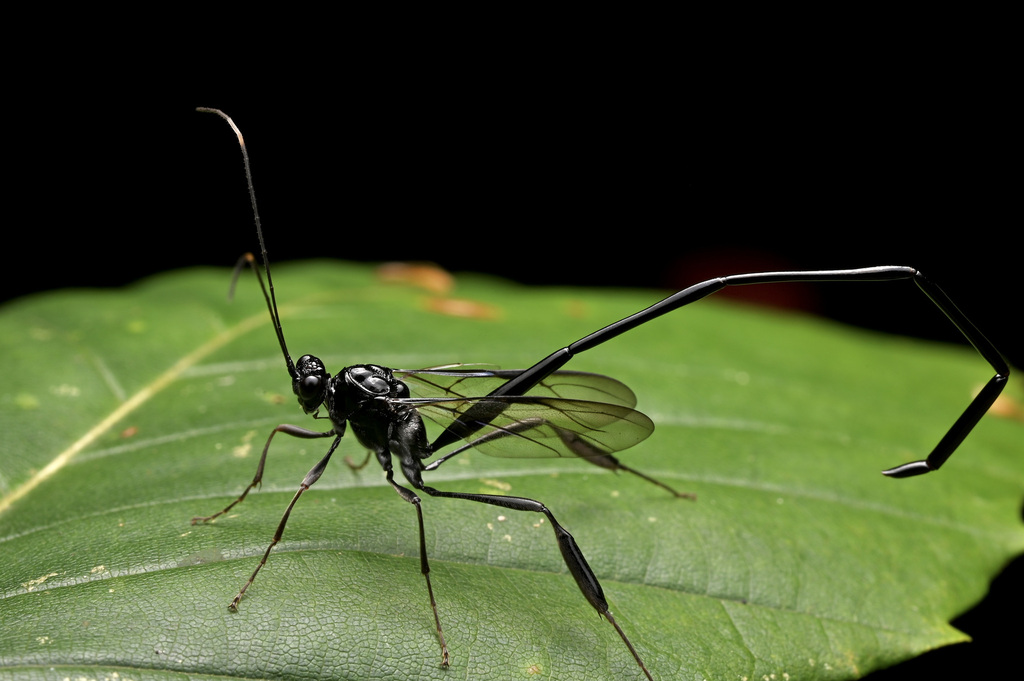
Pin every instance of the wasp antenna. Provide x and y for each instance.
(248, 259)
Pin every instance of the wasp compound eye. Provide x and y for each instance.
(310, 382)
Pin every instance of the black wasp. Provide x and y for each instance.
(549, 411)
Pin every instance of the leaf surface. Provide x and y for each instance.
(126, 413)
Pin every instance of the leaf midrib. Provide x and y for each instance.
(133, 403)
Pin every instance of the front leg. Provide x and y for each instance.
(257, 480)
(311, 477)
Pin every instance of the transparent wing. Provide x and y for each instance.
(472, 380)
(534, 427)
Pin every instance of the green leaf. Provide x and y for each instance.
(126, 413)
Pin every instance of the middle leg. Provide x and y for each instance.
(571, 554)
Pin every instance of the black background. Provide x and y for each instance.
(558, 188)
(654, 171)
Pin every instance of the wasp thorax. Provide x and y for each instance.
(371, 379)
